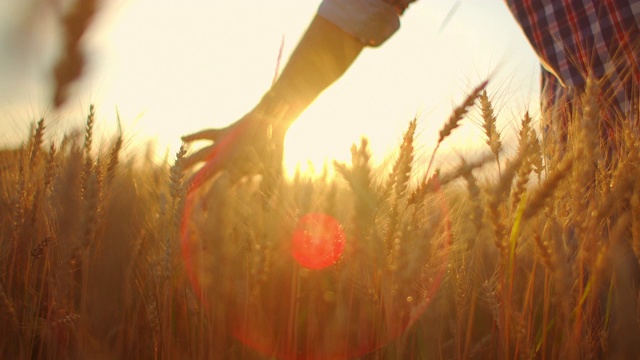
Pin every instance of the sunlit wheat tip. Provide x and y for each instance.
(459, 112)
(36, 144)
(402, 168)
(113, 159)
(489, 125)
(88, 141)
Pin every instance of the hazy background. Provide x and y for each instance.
(173, 67)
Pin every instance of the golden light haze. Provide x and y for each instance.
(172, 68)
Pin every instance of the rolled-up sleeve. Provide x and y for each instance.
(371, 21)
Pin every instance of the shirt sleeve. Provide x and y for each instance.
(371, 21)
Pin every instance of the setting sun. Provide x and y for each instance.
(170, 69)
(437, 204)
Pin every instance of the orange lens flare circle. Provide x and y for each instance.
(301, 309)
(318, 241)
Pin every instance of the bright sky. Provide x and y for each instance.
(173, 67)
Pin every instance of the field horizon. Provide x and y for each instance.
(104, 258)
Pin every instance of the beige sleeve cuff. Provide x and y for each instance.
(371, 21)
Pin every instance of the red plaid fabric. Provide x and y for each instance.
(578, 39)
(575, 40)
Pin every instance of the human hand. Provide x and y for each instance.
(252, 145)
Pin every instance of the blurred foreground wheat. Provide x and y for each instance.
(538, 259)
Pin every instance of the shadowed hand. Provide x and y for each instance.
(252, 145)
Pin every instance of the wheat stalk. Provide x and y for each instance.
(91, 211)
(489, 126)
(360, 182)
(537, 200)
(454, 120)
(50, 170)
(536, 157)
(399, 177)
(498, 193)
(522, 175)
(477, 211)
(177, 193)
(36, 143)
(88, 140)
(114, 157)
(401, 171)
(8, 307)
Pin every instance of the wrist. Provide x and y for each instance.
(279, 109)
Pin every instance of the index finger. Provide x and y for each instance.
(208, 134)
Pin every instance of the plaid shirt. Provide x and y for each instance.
(574, 39)
(578, 39)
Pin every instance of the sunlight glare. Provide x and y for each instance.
(187, 68)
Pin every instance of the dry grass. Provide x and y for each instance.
(98, 261)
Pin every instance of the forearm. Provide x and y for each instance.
(322, 56)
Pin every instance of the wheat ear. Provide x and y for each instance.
(474, 194)
(177, 192)
(489, 126)
(88, 140)
(36, 144)
(454, 120)
(522, 176)
(545, 191)
(359, 179)
(114, 155)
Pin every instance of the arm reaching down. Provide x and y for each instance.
(322, 56)
(334, 39)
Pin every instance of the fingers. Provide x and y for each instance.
(209, 134)
(208, 171)
(198, 156)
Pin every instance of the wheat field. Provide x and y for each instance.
(107, 256)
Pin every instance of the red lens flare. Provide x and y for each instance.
(299, 310)
(318, 241)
